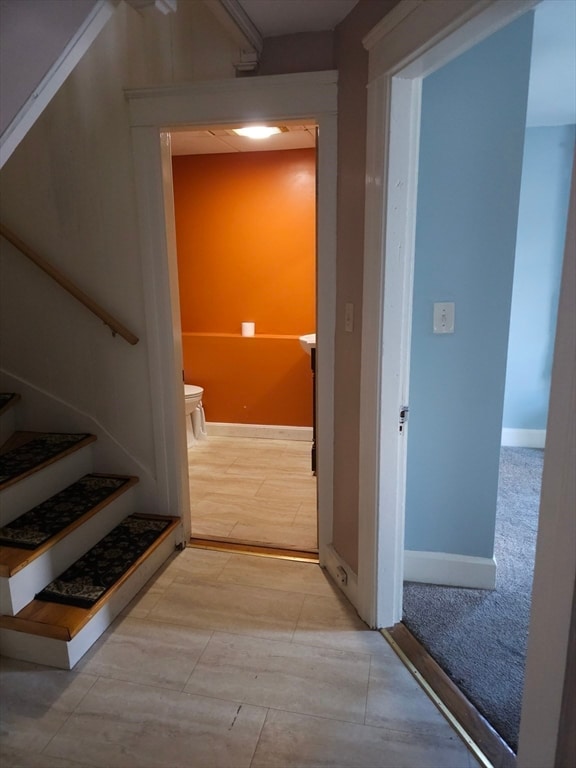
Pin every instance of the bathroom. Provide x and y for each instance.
(245, 213)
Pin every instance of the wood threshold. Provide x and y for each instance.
(31, 435)
(63, 622)
(257, 550)
(14, 559)
(486, 744)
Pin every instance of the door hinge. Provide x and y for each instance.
(403, 418)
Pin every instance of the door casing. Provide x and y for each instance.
(311, 97)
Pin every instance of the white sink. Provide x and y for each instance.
(307, 342)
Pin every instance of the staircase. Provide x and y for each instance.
(54, 509)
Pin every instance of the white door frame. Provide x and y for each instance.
(416, 38)
(310, 97)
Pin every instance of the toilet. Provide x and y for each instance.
(195, 419)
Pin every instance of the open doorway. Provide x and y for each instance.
(397, 237)
(154, 114)
(245, 216)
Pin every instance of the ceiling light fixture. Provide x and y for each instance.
(257, 131)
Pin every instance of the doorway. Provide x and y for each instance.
(245, 216)
(308, 98)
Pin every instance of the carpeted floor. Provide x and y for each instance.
(478, 636)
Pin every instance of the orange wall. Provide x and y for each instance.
(245, 230)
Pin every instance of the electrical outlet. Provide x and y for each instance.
(341, 576)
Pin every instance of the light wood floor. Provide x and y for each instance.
(256, 491)
(228, 661)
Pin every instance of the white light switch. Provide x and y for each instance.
(349, 317)
(444, 317)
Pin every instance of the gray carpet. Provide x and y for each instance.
(478, 636)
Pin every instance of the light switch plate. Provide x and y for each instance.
(444, 317)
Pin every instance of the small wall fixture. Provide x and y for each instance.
(257, 131)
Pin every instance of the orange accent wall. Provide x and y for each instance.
(245, 232)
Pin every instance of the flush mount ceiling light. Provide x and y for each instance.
(257, 131)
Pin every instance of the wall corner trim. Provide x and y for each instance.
(450, 570)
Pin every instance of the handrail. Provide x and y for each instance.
(114, 325)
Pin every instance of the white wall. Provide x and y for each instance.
(69, 191)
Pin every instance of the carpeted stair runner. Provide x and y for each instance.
(90, 577)
(35, 452)
(33, 528)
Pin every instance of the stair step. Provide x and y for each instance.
(24, 571)
(28, 452)
(58, 635)
(42, 473)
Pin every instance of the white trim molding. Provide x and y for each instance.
(523, 438)
(263, 431)
(51, 82)
(153, 112)
(450, 570)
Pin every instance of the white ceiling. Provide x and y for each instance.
(286, 17)
(552, 91)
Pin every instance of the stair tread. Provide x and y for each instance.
(13, 557)
(63, 622)
(28, 452)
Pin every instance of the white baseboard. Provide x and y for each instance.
(269, 431)
(523, 438)
(333, 562)
(450, 570)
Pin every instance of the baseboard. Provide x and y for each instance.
(269, 431)
(523, 438)
(338, 568)
(450, 570)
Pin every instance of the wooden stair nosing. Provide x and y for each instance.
(53, 459)
(63, 622)
(14, 559)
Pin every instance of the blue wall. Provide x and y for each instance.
(544, 195)
(472, 136)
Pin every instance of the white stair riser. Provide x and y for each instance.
(7, 424)
(27, 493)
(65, 654)
(18, 590)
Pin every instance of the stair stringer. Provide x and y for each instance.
(33, 104)
(42, 411)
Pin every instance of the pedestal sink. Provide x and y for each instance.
(307, 342)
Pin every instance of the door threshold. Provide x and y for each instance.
(487, 746)
(256, 550)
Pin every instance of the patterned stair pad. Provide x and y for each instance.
(33, 528)
(90, 577)
(36, 452)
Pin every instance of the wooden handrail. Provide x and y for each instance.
(114, 325)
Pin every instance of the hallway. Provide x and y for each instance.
(208, 668)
